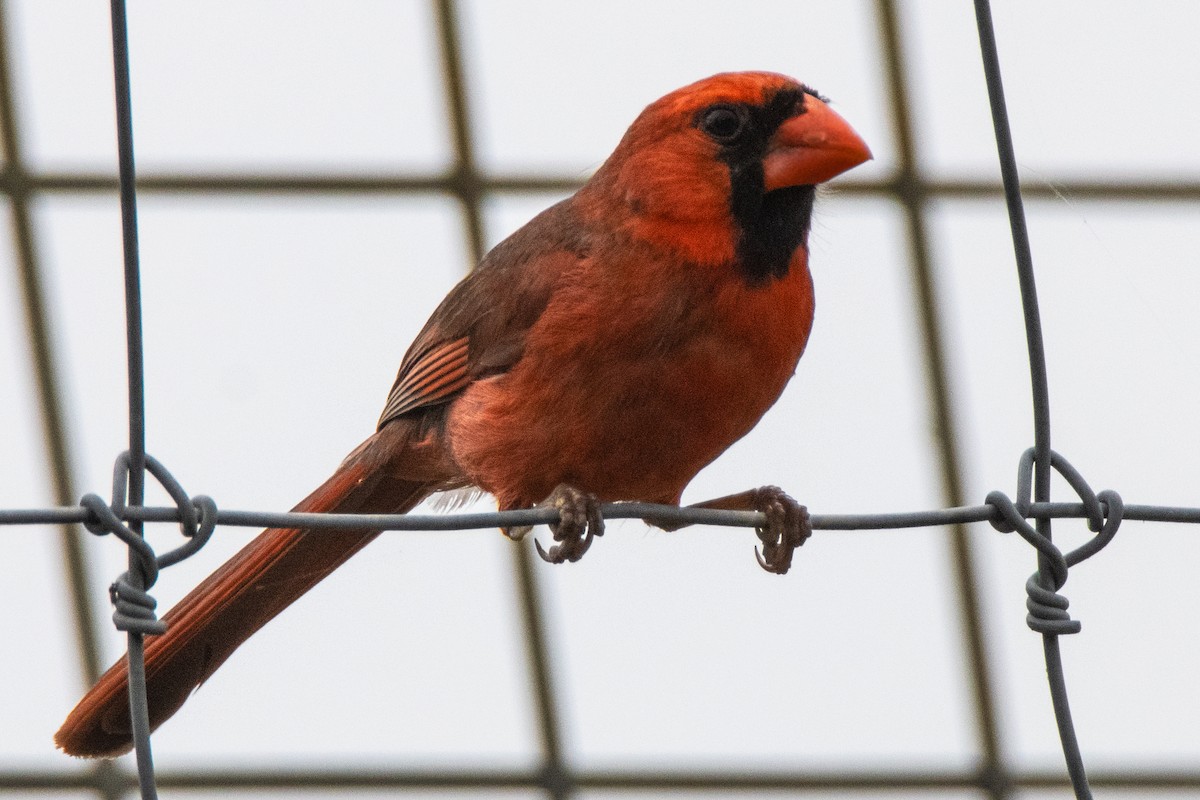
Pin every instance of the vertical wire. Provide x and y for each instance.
(129, 240)
(909, 189)
(1024, 256)
(137, 403)
(1037, 374)
(555, 778)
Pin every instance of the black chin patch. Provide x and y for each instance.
(771, 234)
(771, 225)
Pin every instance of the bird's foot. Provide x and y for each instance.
(787, 528)
(578, 523)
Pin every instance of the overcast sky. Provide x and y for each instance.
(274, 326)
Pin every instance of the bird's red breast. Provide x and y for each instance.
(677, 368)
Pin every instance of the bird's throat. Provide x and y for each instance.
(770, 231)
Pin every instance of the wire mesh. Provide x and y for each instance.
(125, 514)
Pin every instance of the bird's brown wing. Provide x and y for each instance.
(480, 328)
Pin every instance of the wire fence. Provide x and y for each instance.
(124, 514)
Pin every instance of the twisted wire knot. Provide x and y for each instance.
(1104, 511)
(134, 607)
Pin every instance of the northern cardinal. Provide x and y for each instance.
(606, 351)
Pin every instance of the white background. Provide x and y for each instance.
(274, 326)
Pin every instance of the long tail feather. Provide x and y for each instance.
(229, 606)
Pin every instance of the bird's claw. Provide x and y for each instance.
(579, 521)
(787, 528)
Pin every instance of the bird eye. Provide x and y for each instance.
(722, 123)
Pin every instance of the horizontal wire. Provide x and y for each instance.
(542, 516)
(865, 779)
(382, 182)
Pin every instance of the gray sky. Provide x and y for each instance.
(274, 327)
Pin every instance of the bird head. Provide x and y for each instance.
(711, 169)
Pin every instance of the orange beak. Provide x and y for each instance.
(811, 148)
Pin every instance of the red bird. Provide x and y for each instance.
(606, 351)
